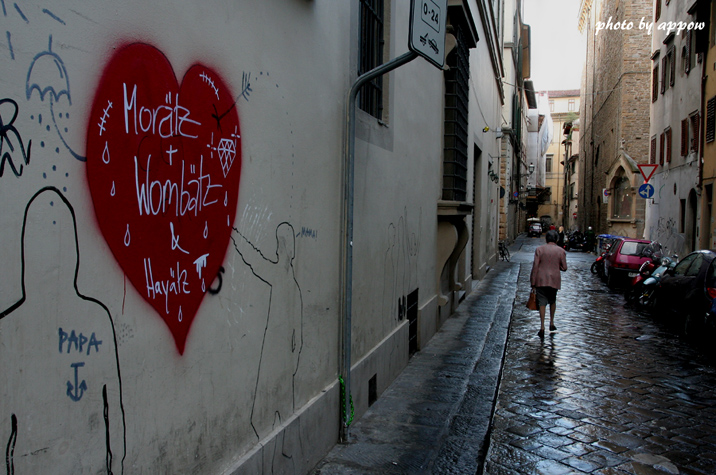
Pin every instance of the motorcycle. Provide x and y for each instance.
(598, 265)
(577, 241)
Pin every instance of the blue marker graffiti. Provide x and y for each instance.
(78, 342)
(77, 395)
(50, 69)
(52, 15)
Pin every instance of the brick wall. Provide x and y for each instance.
(615, 105)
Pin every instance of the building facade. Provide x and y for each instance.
(705, 41)
(564, 110)
(672, 214)
(614, 117)
(539, 137)
(512, 132)
(180, 293)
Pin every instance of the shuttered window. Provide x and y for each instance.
(652, 155)
(684, 137)
(655, 84)
(710, 118)
(695, 125)
(661, 149)
(672, 64)
(687, 52)
(668, 145)
(657, 10)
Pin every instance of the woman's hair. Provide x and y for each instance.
(551, 236)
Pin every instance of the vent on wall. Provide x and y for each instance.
(372, 390)
(412, 313)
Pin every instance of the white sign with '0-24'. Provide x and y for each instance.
(427, 29)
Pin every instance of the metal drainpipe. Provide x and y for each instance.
(347, 226)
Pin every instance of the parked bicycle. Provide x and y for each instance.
(504, 252)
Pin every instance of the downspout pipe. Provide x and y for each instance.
(347, 229)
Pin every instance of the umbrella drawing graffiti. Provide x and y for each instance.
(48, 75)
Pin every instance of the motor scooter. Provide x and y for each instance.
(649, 286)
(636, 289)
(598, 265)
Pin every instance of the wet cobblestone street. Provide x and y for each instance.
(610, 392)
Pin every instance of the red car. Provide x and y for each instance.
(624, 258)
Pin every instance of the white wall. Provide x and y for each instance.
(201, 409)
(243, 378)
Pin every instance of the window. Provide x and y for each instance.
(695, 120)
(668, 69)
(710, 119)
(571, 191)
(661, 149)
(548, 163)
(370, 96)
(695, 266)
(622, 196)
(633, 248)
(655, 83)
(657, 11)
(457, 89)
(551, 105)
(683, 266)
(671, 54)
(652, 154)
(570, 105)
(668, 145)
(684, 137)
(688, 51)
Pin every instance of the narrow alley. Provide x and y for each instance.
(612, 391)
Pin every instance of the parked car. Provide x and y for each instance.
(687, 291)
(535, 230)
(625, 257)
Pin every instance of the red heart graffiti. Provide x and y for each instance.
(163, 168)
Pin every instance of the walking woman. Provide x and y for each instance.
(546, 278)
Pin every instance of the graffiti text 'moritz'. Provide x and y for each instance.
(165, 120)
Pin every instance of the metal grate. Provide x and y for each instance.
(457, 90)
(370, 96)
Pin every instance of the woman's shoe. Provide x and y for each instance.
(552, 328)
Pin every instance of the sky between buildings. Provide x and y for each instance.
(558, 49)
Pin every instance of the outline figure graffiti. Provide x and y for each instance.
(35, 375)
(50, 67)
(5, 131)
(283, 333)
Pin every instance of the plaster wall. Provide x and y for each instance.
(677, 179)
(233, 370)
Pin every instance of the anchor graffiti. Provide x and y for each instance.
(77, 387)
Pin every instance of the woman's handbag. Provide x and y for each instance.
(532, 301)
